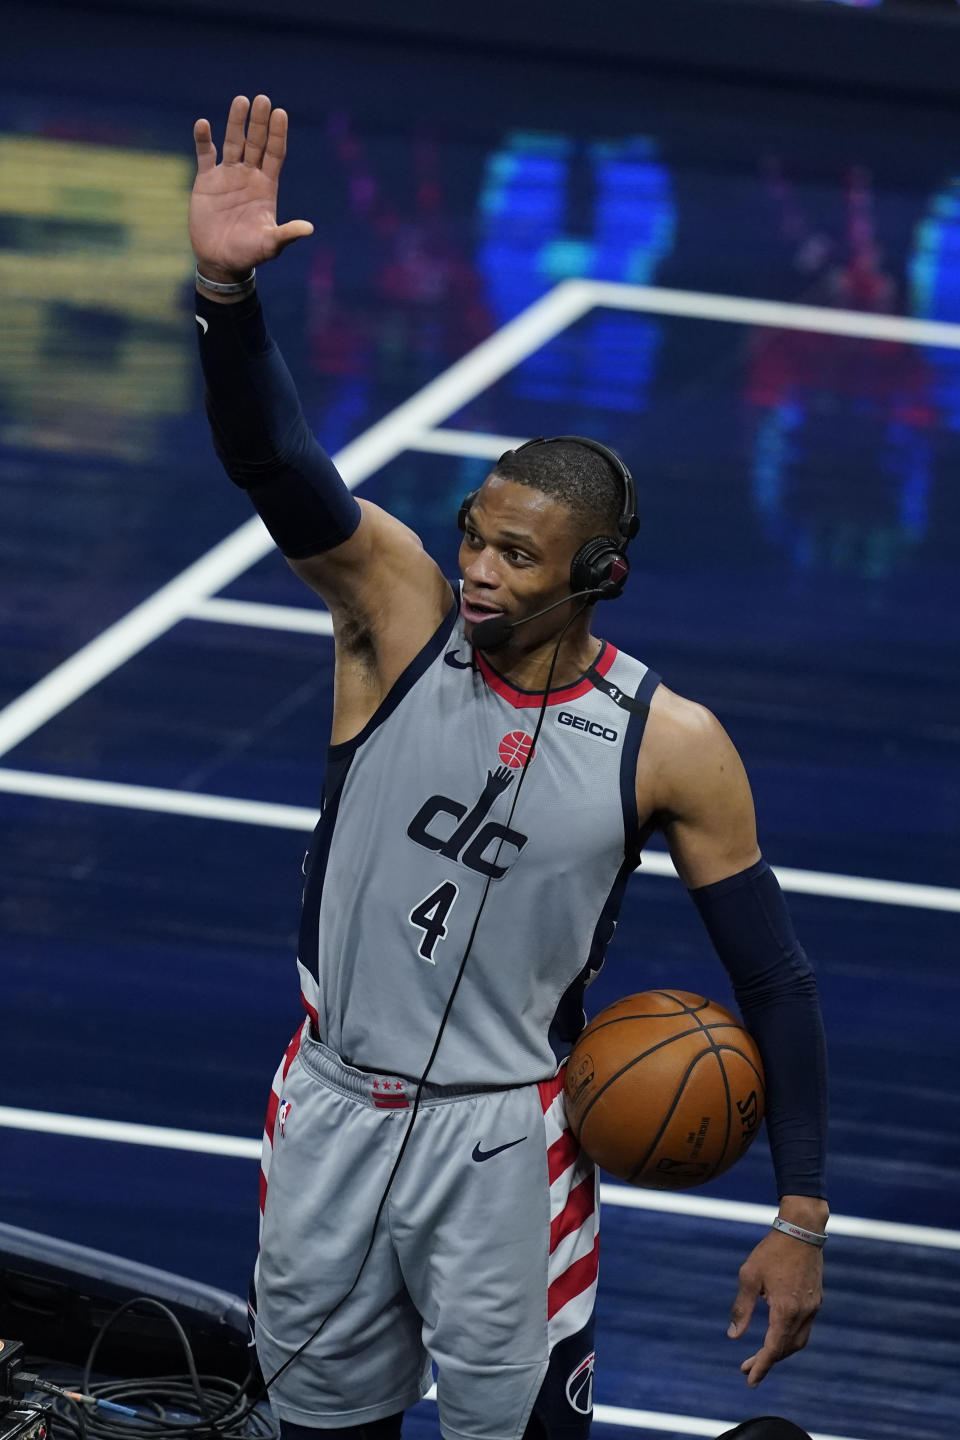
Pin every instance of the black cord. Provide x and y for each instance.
(45, 1387)
(169, 1406)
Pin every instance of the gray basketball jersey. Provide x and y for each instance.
(418, 823)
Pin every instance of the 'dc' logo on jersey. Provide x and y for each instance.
(580, 1386)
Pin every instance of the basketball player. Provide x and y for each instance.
(451, 922)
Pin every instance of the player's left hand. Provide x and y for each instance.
(789, 1276)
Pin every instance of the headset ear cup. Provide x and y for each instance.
(466, 505)
(601, 567)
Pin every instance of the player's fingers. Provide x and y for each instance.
(257, 131)
(741, 1311)
(785, 1334)
(276, 147)
(233, 136)
(203, 141)
(292, 230)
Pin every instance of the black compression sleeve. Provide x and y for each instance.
(261, 435)
(750, 926)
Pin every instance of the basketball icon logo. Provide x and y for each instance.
(515, 749)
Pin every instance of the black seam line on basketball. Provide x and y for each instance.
(649, 1015)
(681, 1035)
(720, 1066)
(638, 1169)
(715, 1051)
(723, 1075)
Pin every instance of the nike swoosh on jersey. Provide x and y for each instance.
(451, 659)
(204, 324)
(479, 1154)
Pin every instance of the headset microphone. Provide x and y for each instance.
(493, 634)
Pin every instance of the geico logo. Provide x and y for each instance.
(587, 727)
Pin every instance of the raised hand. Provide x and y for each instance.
(233, 208)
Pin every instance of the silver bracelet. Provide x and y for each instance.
(242, 287)
(809, 1237)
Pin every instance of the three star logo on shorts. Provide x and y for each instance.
(389, 1094)
(282, 1113)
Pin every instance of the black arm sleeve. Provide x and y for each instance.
(261, 435)
(751, 930)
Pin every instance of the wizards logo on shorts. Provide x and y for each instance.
(580, 1386)
(282, 1113)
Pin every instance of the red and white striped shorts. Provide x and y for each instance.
(484, 1259)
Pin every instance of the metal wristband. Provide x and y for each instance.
(242, 287)
(809, 1237)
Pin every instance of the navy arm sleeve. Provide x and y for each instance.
(751, 930)
(261, 435)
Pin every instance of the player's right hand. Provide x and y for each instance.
(233, 208)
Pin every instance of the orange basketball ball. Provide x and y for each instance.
(665, 1089)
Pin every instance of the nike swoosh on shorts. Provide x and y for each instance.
(479, 1154)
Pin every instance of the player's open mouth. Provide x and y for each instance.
(475, 611)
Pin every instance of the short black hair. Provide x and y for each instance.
(575, 475)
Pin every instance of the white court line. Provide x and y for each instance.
(270, 617)
(773, 314)
(475, 372)
(299, 817)
(702, 1207)
(152, 798)
(485, 364)
(661, 1420)
(474, 444)
(838, 887)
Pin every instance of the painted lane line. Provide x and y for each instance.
(270, 617)
(743, 1212)
(699, 1207)
(164, 802)
(467, 377)
(668, 1423)
(163, 1137)
(300, 817)
(837, 887)
(772, 314)
(477, 371)
(129, 635)
(661, 1420)
(676, 1424)
(468, 444)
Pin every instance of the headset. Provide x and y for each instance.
(600, 567)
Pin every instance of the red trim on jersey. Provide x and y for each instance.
(311, 1012)
(290, 1054)
(580, 1205)
(579, 1277)
(561, 1155)
(391, 1102)
(550, 1089)
(531, 699)
(271, 1120)
(263, 1190)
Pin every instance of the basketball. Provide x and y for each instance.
(665, 1089)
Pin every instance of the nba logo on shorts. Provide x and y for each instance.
(282, 1114)
(580, 1386)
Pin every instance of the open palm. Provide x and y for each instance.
(233, 208)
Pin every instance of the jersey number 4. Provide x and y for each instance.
(431, 915)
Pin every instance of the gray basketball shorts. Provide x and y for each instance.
(484, 1259)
